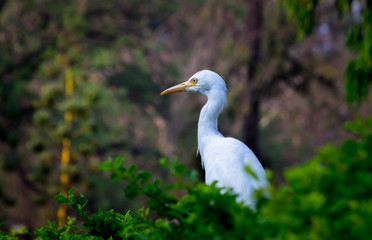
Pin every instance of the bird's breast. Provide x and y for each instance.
(225, 159)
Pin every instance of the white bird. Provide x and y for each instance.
(223, 158)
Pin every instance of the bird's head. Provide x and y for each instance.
(204, 82)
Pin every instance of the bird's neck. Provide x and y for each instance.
(208, 119)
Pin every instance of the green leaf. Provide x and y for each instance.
(83, 200)
(249, 170)
(178, 169)
(61, 199)
(193, 175)
(144, 176)
(114, 177)
(131, 191)
(72, 198)
(164, 162)
(132, 168)
(106, 165)
(71, 191)
(118, 162)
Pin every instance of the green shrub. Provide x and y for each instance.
(329, 197)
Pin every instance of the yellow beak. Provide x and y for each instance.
(178, 88)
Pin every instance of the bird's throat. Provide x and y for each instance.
(208, 119)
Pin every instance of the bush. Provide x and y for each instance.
(329, 197)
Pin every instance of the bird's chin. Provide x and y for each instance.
(191, 89)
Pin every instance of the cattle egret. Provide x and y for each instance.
(223, 158)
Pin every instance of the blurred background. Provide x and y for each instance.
(286, 93)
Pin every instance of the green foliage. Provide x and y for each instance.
(52, 231)
(42, 41)
(327, 198)
(14, 233)
(303, 12)
(203, 212)
(358, 73)
(6, 236)
(105, 224)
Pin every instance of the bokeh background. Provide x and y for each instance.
(286, 89)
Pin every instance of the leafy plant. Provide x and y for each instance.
(203, 212)
(106, 224)
(329, 197)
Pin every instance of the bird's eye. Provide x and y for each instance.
(194, 80)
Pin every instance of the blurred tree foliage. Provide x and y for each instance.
(358, 73)
(270, 65)
(39, 42)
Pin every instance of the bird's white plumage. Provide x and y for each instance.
(223, 158)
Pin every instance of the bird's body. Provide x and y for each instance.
(229, 170)
(223, 158)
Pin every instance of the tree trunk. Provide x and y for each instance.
(250, 126)
(251, 116)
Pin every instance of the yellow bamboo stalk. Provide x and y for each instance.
(65, 155)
